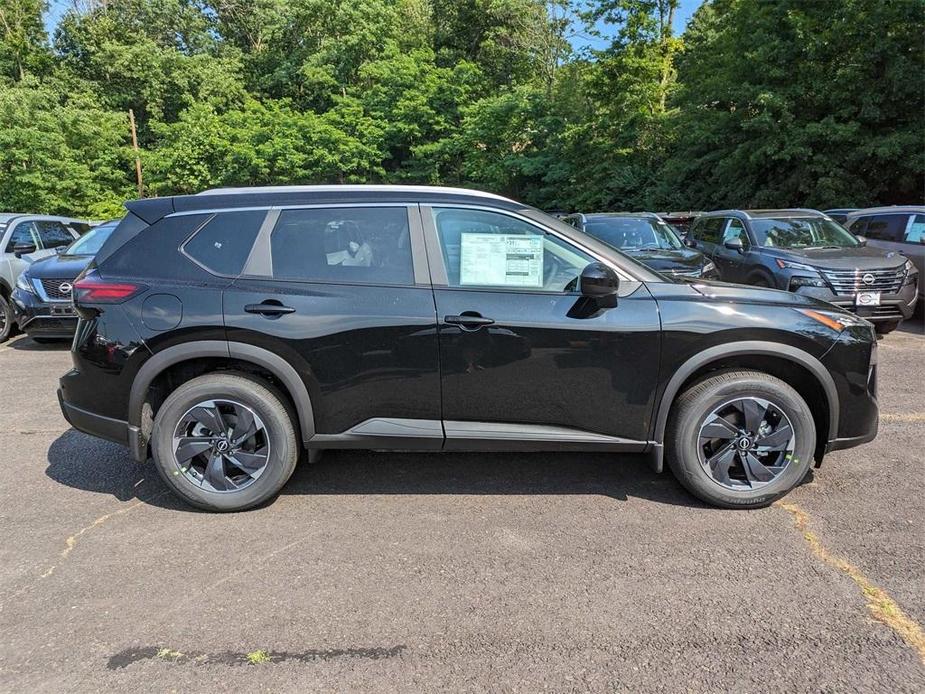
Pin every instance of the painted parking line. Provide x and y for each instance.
(880, 605)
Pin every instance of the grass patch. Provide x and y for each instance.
(258, 657)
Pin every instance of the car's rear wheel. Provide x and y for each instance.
(885, 328)
(740, 439)
(6, 319)
(224, 442)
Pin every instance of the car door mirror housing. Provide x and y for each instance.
(862, 240)
(600, 283)
(735, 245)
(689, 242)
(21, 249)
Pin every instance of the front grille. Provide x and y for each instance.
(849, 282)
(53, 289)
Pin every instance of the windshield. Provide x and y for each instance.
(92, 241)
(802, 233)
(633, 233)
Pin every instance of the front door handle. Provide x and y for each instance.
(468, 320)
(269, 309)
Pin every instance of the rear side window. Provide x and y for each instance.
(370, 245)
(710, 229)
(887, 227)
(916, 231)
(54, 234)
(223, 244)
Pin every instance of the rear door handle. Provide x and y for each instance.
(268, 309)
(468, 321)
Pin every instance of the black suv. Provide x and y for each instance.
(805, 252)
(226, 332)
(647, 238)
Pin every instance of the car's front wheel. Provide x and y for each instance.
(224, 442)
(740, 439)
(6, 319)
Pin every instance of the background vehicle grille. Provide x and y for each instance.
(53, 291)
(852, 281)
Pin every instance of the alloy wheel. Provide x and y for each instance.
(221, 445)
(746, 443)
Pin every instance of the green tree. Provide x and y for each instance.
(23, 42)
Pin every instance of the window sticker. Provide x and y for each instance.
(501, 260)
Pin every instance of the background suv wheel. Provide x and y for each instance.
(740, 439)
(6, 319)
(224, 442)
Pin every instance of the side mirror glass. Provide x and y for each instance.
(734, 245)
(21, 249)
(862, 240)
(600, 283)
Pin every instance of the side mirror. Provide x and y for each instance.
(689, 242)
(21, 249)
(600, 283)
(735, 245)
(60, 249)
(862, 240)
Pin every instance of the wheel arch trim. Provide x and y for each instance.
(747, 348)
(258, 356)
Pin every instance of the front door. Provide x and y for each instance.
(520, 355)
(338, 293)
(730, 263)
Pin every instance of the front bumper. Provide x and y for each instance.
(893, 307)
(38, 318)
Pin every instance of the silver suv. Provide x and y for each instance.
(900, 229)
(23, 239)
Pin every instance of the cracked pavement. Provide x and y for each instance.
(475, 572)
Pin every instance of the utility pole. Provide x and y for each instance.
(131, 120)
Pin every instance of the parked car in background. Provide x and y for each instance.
(42, 296)
(804, 251)
(899, 229)
(646, 238)
(225, 332)
(679, 221)
(840, 214)
(25, 238)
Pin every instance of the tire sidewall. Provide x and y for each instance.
(7, 310)
(687, 435)
(284, 448)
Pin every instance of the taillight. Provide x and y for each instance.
(93, 289)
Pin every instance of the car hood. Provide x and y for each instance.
(666, 260)
(64, 267)
(722, 291)
(858, 258)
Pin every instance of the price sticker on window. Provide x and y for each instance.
(501, 260)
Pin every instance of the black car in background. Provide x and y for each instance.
(840, 214)
(679, 221)
(647, 238)
(42, 296)
(805, 252)
(225, 332)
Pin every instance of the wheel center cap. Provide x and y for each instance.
(745, 443)
(222, 445)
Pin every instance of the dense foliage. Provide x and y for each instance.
(758, 103)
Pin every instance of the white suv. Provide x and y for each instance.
(23, 239)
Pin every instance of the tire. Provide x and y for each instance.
(239, 398)
(726, 392)
(6, 319)
(886, 328)
(760, 281)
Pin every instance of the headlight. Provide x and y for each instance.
(836, 320)
(709, 267)
(912, 273)
(798, 281)
(782, 264)
(24, 283)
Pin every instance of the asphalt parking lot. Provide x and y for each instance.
(420, 572)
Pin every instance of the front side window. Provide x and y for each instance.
(54, 234)
(23, 233)
(887, 227)
(490, 249)
(224, 243)
(810, 232)
(633, 233)
(735, 230)
(916, 231)
(370, 245)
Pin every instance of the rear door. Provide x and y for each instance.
(706, 234)
(343, 294)
(521, 357)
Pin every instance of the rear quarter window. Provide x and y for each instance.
(224, 243)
